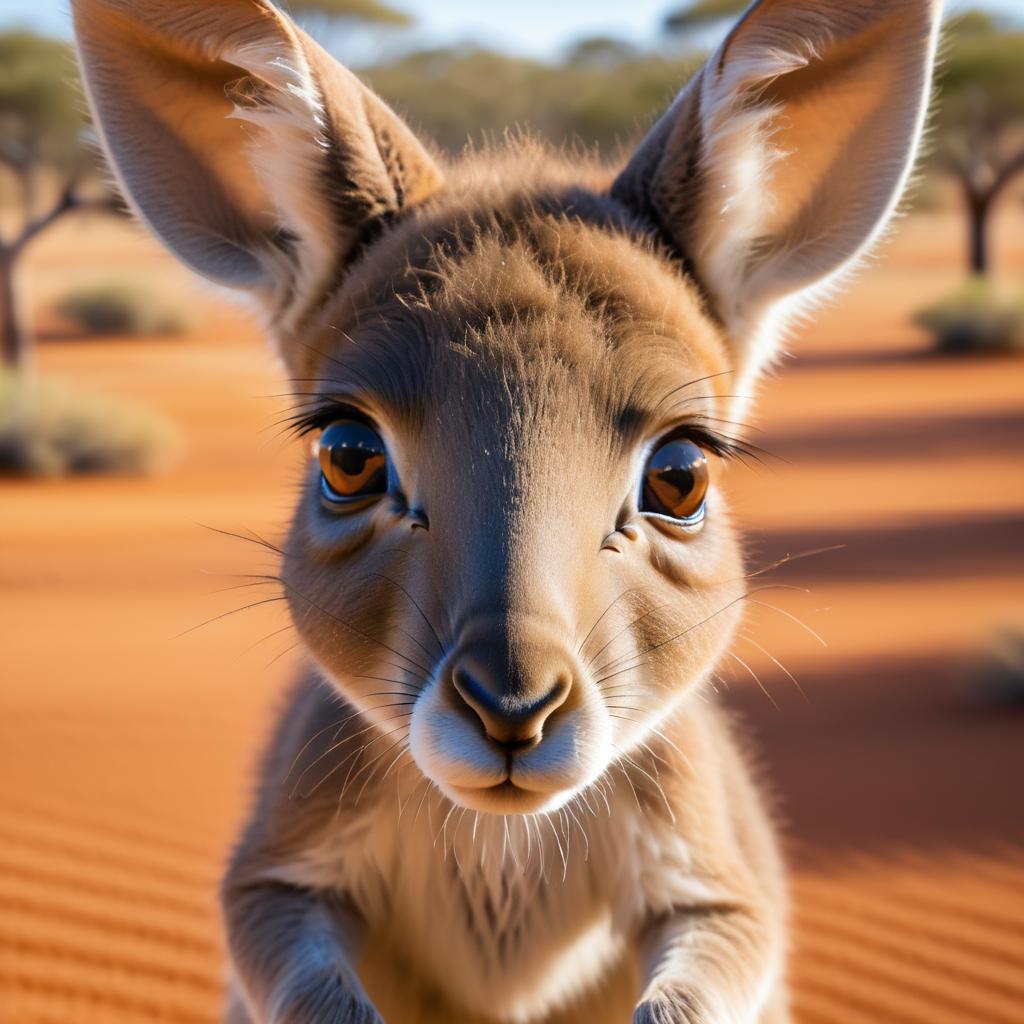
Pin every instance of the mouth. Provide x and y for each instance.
(506, 797)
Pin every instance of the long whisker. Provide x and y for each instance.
(342, 743)
(561, 851)
(444, 824)
(600, 618)
(411, 688)
(387, 771)
(280, 654)
(269, 636)
(233, 611)
(350, 779)
(674, 746)
(768, 654)
(664, 643)
(756, 678)
(628, 626)
(746, 596)
(355, 629)
(419, 609)
(312, 739)
(264, 581)
(786, 559)
(402, 804)
(251, 537)
(656, 783)
(789, 615)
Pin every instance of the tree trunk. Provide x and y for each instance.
(977, 215)
(13, 334)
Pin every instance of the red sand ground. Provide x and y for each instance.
(126, 743)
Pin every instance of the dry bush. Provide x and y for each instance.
(122, 308)
(975, 318)
(49, 429)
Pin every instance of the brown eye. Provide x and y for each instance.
(353, 463)
(676, 481)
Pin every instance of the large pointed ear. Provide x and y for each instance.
(257, 158)
(781, 161)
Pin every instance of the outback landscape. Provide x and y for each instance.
(130, 723)
(879, 671)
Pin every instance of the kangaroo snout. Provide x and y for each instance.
(513, 715)
(511, 722)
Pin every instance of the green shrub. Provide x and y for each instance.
(975, 319)
(121, 308)
(49, 429)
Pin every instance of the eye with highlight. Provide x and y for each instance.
(353, 465)
(675, 481)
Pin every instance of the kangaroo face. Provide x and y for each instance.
(511, 550)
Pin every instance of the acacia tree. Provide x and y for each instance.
(44, 156)
(370, 12)
(702, 14)
(48, 165)
(979, 121)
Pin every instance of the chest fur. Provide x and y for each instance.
(526, 913)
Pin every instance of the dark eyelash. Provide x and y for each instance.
(325, 412)
(321, 415)
(722, 445)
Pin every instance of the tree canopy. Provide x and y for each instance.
(981, 88)
(978, 126)
(40, 103)
(702, 13)
(458, 94)
(371, 12)
(42, 128)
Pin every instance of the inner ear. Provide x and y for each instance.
(257, 158)
(781, 161)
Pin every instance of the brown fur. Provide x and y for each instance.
(521, 328)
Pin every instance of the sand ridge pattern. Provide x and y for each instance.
(100, 924)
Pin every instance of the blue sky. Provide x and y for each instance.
(539, 27)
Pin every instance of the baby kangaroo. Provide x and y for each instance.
(504, 792)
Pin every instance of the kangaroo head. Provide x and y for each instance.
(520, 374)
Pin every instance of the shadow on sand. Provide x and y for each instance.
(986, 544)
(890, 753)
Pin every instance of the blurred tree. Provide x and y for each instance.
(44, 156)
(606, 51)
(352, 30)
(366, 11)
(702, 14)
(463, 94)
(979, 121)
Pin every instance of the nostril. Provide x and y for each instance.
(476, 695)
(509, 721)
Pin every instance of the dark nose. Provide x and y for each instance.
(511, 722)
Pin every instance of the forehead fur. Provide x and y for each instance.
(523, 273)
